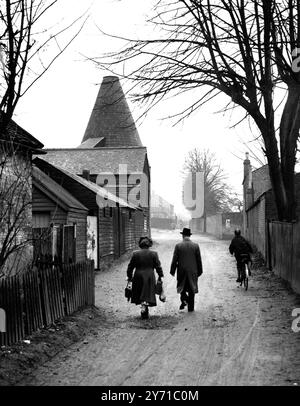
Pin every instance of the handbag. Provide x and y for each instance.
(159, 290)
(128, 291)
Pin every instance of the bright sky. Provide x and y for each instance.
(57, 108)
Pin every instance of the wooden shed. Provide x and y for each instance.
(59, 221)
(113, 227)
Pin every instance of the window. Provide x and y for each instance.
(41, 219)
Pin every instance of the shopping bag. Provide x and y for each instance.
(159, 290)
(128, 291)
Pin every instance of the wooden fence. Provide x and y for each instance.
(39, 297)
(284, 251)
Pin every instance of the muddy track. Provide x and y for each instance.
(233, 337)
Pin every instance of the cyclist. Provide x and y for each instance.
(241, 249)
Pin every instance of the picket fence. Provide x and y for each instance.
(41, 296)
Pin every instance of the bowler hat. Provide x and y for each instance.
(186, 231)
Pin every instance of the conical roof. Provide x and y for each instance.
(111, 117)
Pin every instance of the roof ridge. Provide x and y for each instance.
(38, 176)
(92, 186)
(93, 149)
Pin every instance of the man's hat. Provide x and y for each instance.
(186, 231)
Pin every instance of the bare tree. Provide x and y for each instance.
(218, 196)
(15, 208)
(17, 237)
(28, 49)
(245, 49)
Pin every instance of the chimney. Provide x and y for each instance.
(247, 183)
(86, 174)
(247, 166)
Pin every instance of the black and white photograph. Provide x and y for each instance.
(149, 196)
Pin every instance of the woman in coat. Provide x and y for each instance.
(144, 262)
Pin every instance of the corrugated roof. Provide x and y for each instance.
(98, 190)
(111, 117)
(98, 160)
(57, 192)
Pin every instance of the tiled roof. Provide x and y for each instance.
(98, 160)
(93, 187)
(57, 192)
(18, 136)
(111, 117)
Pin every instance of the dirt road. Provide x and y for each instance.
(233, 337)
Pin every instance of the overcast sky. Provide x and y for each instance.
(57, 109)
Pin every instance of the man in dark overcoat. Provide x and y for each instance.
(188, 263)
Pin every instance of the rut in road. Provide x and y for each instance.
(233, 337)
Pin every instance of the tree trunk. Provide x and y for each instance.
(289, 133)
(275, 172)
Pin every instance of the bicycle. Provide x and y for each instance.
(245, 270)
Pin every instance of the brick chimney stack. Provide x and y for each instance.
(247, 166)
(86, 174)
(247, 190)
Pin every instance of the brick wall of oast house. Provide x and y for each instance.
(42, 203)
(18, 261)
